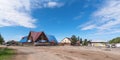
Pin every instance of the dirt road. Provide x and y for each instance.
(64, 53)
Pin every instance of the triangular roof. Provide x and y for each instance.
(68, 39)
(35, 35)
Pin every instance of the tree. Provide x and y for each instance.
(115, 40)
(81, 41)
(85, 42)
(73, 40)
(78, 41)
(78, 38)
(89, 42)
(1, 39)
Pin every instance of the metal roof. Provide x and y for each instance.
(23, 40)
(52, 38)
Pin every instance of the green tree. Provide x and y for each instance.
(73, 39)
(115, 40)
(81, 41)
(85, 43)
(78, 38)
(1, 39)
(89, 42)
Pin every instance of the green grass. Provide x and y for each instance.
(6, 53)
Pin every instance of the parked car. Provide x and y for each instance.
(110, 46)
(113, 46)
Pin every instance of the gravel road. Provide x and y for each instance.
(65, 53)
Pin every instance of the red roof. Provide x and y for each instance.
(34, 35)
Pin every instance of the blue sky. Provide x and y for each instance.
(97, 20)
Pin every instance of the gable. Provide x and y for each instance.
(42, 36)
(66, 40)
(34, 36)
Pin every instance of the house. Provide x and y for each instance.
(39, 38)
(35, 37)
(12, 43)
(66, 41)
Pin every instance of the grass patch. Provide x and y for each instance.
(6, 53)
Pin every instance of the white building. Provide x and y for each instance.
(98, 44)
(66, 41)
(117, 45)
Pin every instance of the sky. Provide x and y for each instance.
(96, 20)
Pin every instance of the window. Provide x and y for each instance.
(29, 41)
(43, 40)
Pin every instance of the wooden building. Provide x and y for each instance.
(39, 38)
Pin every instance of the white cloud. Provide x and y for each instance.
(88, 27)
(16, 13)
(77, 17)
(47, 4)
(106, 18)
(54, 4)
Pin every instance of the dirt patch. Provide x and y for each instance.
(74, 54)
(63, 53)
(20, 56)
